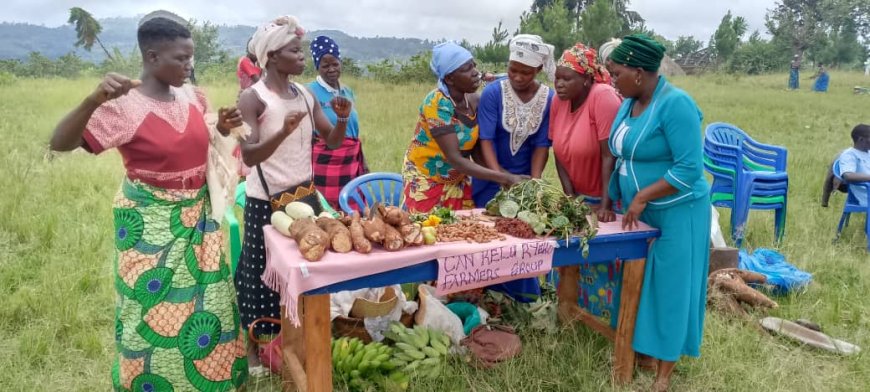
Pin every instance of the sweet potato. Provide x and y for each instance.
(357, 235)
(741, 292)
(375, 228)
(412, 234)
(339, 235)
(394, 216)
(393, 240)
(747, 276)
(312, 240)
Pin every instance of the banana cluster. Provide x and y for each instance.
(421, 351)
(359, 364)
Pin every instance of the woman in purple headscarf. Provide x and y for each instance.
(334, 168)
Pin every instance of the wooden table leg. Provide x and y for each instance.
(293, 353)
(318, 334)
(567, 292)
(632, 281)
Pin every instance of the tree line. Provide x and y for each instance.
(833, 32)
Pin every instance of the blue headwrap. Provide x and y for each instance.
(446, 58)
(321, 46)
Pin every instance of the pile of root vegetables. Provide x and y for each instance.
(388, 227)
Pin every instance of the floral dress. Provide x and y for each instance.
(429, 180)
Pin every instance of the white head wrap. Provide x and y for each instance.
(607, 48)
(531, 50)
(165, 15)
(273, 36)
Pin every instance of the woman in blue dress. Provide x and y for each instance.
(822, 80)
(656, 139)
(513, 118)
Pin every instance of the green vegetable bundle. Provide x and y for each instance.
(547, 209)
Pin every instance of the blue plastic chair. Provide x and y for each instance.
(368, 189)
(853, 205)
(746, 175)
(235, 231)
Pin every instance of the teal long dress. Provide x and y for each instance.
(665, 142)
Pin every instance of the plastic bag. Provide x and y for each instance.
(783, 276)
(435, 315)
(716, 237)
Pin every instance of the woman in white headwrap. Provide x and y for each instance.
(513, 118)
(513, 115)
(283, 116)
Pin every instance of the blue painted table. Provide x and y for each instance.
(306, 349)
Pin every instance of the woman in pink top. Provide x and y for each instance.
(283, 117)
(580, 118)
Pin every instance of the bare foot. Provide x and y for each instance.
(660, 386)
(645, 363)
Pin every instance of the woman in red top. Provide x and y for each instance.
(580, 118)
(176, 319)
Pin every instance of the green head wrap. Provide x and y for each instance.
(639, 50)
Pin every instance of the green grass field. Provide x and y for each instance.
(56, 294)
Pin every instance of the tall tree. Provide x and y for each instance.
(630, 19)
(599, 22)
(686, 45)
(87, 29)
(727, 36)
(207, 46)
(554, 23)
(797, 23)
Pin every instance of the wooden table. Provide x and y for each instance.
(307, 355)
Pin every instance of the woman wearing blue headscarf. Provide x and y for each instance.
(437, 166)
(334, 168)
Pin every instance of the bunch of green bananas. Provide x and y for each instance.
(418, 350)
(359, 364)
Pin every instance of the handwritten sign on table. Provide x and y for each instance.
(495, 265)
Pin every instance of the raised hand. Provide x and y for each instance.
(342, 106)
(113, 86)
(292, 121)
(228, 118)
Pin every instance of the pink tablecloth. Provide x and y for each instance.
(288, 274)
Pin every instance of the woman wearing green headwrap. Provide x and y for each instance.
(656, 138)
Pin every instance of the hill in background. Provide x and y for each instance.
(17, 40)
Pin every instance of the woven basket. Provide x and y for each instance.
(363, 308)
(353, 326)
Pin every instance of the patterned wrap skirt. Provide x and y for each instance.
(256, 300)
(176, 322)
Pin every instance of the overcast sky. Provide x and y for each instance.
(451, 19)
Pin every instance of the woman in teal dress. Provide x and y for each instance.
(656, 138)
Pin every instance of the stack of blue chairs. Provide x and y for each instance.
(853, 205)
(746, 175)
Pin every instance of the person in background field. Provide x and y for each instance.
(822, 79)
(248, 72)
(795, 73)
(659, 179)
(867, 67)
(855, 162)
(513, 116)
(437, 165)
(513, 119)
(334, 167)
(176, 320)
(283, 118)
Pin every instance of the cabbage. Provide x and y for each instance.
(508, 209)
